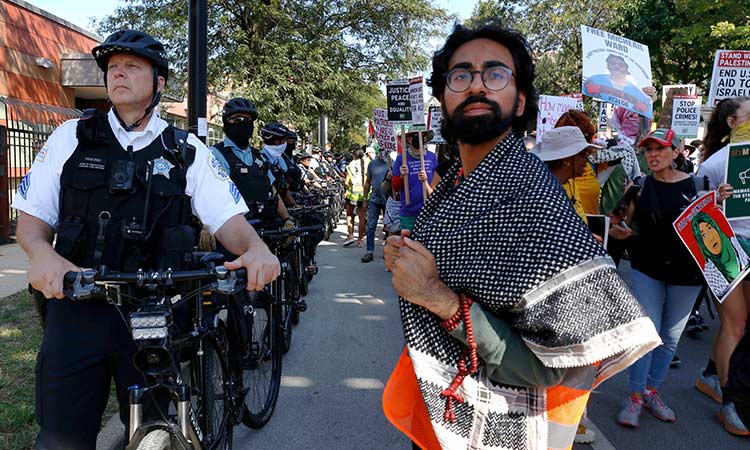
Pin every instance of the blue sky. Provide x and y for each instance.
(79, 12)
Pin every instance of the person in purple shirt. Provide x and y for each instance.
(416, 176)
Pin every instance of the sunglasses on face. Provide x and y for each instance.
(241, 120)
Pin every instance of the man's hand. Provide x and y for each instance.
(415, 276)
(262, 267)
(620, 231)
(404, 170)
(422, 175)
(47, 270)
(724, 191)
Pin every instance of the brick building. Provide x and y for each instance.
(47, 76)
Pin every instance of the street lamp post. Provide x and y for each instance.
(197, 61)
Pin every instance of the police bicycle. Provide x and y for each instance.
(198, 374)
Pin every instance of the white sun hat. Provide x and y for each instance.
(561, 143)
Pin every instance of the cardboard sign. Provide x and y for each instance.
(665, 120)
(434, 122)
(738, 176)
(731, 75)
(686, 115)
(687, 89)
(550, 109)
(615, 69)
(399, 101)
(578, 96)
(416, 96)
(709, 238)
(384, 131)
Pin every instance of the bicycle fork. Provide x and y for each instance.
(190, 433)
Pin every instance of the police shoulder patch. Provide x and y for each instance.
(217, 168)
(235, 192)
(42, 154)
(23, 188)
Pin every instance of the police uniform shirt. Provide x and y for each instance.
(213, 196)
(244, 155)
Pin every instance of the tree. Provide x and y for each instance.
(297, 58)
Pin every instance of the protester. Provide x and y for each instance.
(375, 175)
(729, 123)
(585, 187)
(498, 229)
(565, 151)
(665, 278)
(418, 180)
(355, 198)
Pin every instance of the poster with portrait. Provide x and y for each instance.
(434, 122)
(731, 75)
(737, 174)
(709, 238)
(550, 109)
(384, 131)
(615, 70)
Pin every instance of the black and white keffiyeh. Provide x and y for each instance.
(508, 236)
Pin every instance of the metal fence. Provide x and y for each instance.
(24, 128)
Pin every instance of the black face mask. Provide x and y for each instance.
(239, 133)
(290, 149)
(414, 142)
(475, 130)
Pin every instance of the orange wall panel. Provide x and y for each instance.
(37, 91)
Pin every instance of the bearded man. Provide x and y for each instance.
(512, 312)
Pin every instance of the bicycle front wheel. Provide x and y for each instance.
(156, 440)
(219, 424)
(261, 376)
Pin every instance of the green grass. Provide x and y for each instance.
(20, 336)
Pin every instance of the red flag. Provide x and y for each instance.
(370, 128)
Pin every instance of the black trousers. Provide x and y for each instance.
(85, 345)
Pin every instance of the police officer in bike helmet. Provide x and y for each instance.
(116, 189)
(276, 143)
(247, 167)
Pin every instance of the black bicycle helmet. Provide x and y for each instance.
(135, 43)
(239, 105)
(274, 130)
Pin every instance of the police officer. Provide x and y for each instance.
(277, 140)
(247, 167)
(89, 186)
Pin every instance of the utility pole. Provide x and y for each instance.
(197, 61)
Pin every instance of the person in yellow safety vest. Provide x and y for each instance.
(355, 197)
(506, 321)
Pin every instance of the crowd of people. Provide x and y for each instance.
(539, 307)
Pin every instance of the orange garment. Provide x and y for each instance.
(404, 406)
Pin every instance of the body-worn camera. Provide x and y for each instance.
(122, 177)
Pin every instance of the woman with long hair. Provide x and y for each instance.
(355, 197)
(729, 123)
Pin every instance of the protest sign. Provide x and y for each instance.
(709, 238)
(615, 69)
(550, 109)
(434, 122)
(738, 176)
(604, 113)
(399, 101)
(687, 89)
(665, 120)
(686, 115)
(731, 75)
(416, 97)
(384, 131)
(579, 99)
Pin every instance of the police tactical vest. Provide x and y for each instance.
(251, 180)
(106, 215)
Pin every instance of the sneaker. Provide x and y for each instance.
(676, 361)
(367, 258)
(299, 306)
(658, 408)
(360, 244)
(693, 324)
(631, 413)
(584, 435)
(348, 242)
(731, 420)
(710, 386)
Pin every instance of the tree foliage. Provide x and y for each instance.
(297, 59)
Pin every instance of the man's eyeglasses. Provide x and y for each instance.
(241, 120)
(494, 78)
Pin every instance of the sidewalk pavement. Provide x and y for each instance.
(13, 265)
